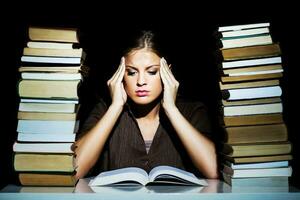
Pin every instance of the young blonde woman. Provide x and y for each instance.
(145, 125)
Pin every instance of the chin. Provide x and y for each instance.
(142, 100)
(145, 100)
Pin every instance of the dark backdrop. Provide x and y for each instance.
(186, 31)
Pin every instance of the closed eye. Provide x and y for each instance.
(131, 72)
(152, 72)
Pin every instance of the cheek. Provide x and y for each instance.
(128, 84)
(157, 83)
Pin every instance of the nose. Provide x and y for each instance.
(141, 80)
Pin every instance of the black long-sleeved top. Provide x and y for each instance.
(125, 146)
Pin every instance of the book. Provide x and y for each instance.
(242, 27)
(45, 137)
(47, 179)
(246, 120)
(244, 78)
(248, 84)
(48, 126)
(256, 134)
(56, 34)
(37, 162)
(257, 149)
(251, 62)
(249, 52)
(237, 110)
(250, 101)
(76, 53)
(49, 59)
(257, 159)
(259, 39)
(48, 89)
(259, 165)
(53, 101)
(51, 76)
(51, 107)
(43, 147)
(245, 32)
(265, 182)
(50, 45)
(65, 69)
(46, 116)
(261, 172)
(159, 174)
(267, 69)
(251, 93)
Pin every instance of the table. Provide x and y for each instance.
(216, 189)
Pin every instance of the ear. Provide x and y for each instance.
(170, 66)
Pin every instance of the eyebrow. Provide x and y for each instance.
(146, 67)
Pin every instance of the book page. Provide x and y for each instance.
(174, 174)
(129, 174)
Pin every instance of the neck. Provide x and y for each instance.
(149, 111)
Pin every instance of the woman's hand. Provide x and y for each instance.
(116, 87)
(170, 85)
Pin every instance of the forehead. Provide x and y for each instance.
(142, 58)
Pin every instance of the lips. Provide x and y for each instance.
(142, 93)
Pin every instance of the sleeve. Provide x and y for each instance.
(197, 114)
(95, 115)
(200, 119)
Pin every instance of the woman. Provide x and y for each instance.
(144, 125)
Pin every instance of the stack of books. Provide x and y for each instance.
(50, 77)
(256, 148)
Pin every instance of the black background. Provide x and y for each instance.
(187, 31)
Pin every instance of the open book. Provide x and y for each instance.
(134, 175)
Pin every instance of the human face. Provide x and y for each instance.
(142, 81)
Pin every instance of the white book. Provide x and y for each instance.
(243, 26)
(51, 76)
(135, 175)
(44, 59)
(47, 126)
(45, 137)
(246, 41)
(253, 109)
(48, 107)
(262, 172)
(258, 165)
(50, 45)
(252, 62)
(238, 33)
(251, 93)
(43, 147)
(54, 101)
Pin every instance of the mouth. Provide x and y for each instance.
(142, 93)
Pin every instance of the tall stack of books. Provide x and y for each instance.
(50, 77)
(256, 150)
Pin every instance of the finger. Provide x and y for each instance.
(163, 73)
(169, 72)
(165, 70)
(122, 71)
